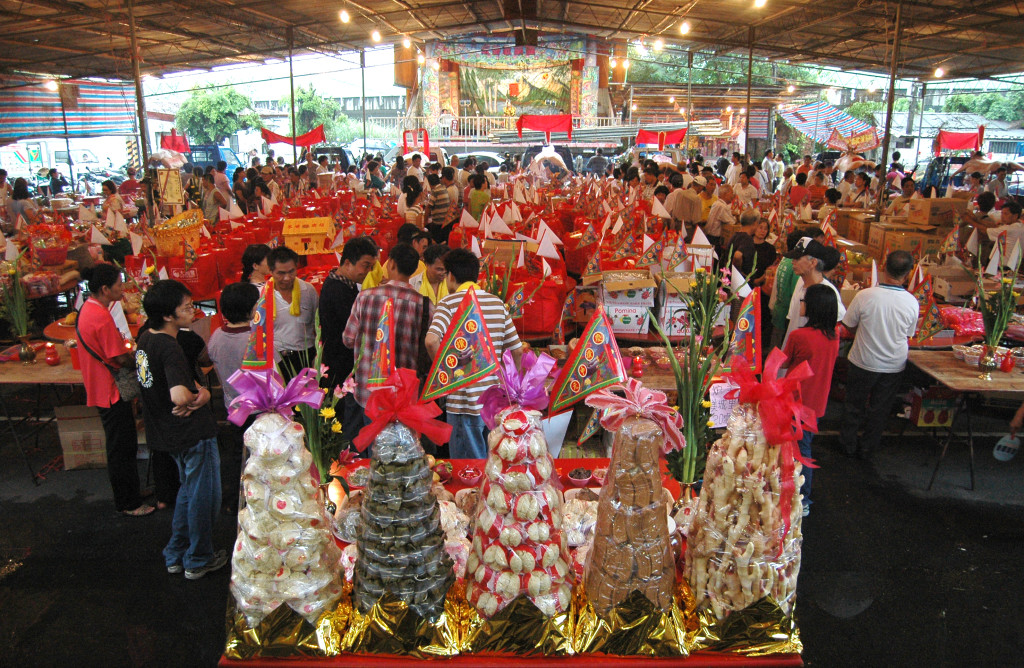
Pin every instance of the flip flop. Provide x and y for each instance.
(1006, 448)
(141, 511)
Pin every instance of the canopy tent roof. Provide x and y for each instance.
(968, 38)
(818, 119)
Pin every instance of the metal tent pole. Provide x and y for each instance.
(291, 87)
(896, 42)
(67, 140)
(920, 124)
(750, 75)
(362, 74)
(141, 108)
(689, 98)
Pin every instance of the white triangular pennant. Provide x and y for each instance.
(474, 246)
(545, 268)
(97, 238)
(136, 240)
(111, 219)
(223, 214)
(162, 273)
(874, 273)
(86, 213)
(498, 226)
(699, 238)
(267, 204)
(658, 209)
(972, 242)
(205, 232)
(547, 248)
(521, 262)
(739, 284)
(234, 211)
(235, 225)
(647, 242)
(618, 225)
(994, 261)
(11, 253)
(339, 239)
(468, 221)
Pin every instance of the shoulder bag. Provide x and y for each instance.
(125, 377)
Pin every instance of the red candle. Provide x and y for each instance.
(638, 366)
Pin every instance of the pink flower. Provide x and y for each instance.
(348, 387)
(323, 369)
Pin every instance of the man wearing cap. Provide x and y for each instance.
(272, 185)
(810, 262)
(882, 318)
(683, 203)
(720, 214)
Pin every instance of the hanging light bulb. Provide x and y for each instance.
(406, 42)
(760, 3)
(632, 107)
(436, 65)
(421, 59)
(682, 112)
(939, 72)
(684, 27)
(671, 99)
(344, 16)
(743, 110)
(375, 35)
(729, 109)
(790, 88)
(872, 87)
(659, 44)
(625, 63)
(612, 63)
(50, 85)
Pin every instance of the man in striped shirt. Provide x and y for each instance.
(469, 434)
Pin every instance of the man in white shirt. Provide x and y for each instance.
(732, 175)
(1009, 222)
(683, 203)
(882, 318)
(811, 260)
(720, 214)
(416, 168)
(294, 314)
(997, 186)
(745, 191)
(846, 187)
(768, 167)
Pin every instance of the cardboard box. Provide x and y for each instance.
(846, 217)
(953, 284)
(918, 244)
(673, 316)
(877, 235)
(81, 437)
(635, 287)
(629, 319)
(940, 212)
(847, 294)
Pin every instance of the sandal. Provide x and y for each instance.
(1006, 448)
(141, 511)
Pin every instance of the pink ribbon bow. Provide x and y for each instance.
(265, 391)
(783, 415)
(639, 402)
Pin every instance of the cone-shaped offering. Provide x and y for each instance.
(283, 553)
(401, 543)
(518, 545)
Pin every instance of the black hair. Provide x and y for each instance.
(162, 300)
(281, 254)
(899, 263)
(833, 195)
(821, 306)
(20, 189)
(478, 181)
(676, 180)
(1013, 208)
(661, 190)
(406, 233)
(109, 184)
(793, 238)
(208, 178)
(101, 276)
(406, 259)
(986, 201)
(253, 255)
(372, 165)
(433, 180)
(399, 162)
(905, 179)
(448, 173)
(221, 165)
(801, 178)
(865, 177)
(462, 264)
(358, 247)
(238, 300)
(434, 253)
(976, 175)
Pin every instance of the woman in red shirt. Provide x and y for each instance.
(817, 344)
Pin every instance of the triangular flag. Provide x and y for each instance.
(678, 255)
(625, 249)
(568, 311)
(593, 267)
(474, 246)
(465, 355)
(136, 240)
(923, 292)
(234, 211)
(972, 242)
(339, 240)
(521, 262)
(740, 286)
(591, 428)
(1014, 260)
(916, 276)
(162, 274)
(260, 214)
(594, 363)
(746, 337)
(648, 242)
(589, 237)
(223, 214)
(235, 225)
(951, 244)
(658, 209)
(545, 268)
(515, 302)
(382, 357)
(498, 226)
(874, 273)
(699, 238)
(259, 352)
(618, 225)
(652, 255)
(543, 230)
(267, 204)
(97, 237)
(547, 248)
(11, 253)
(86, 213)
(468, 221)
(994, 262)
(205, 231)
(931, 323)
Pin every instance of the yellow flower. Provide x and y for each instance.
(693, 284)
(336, 427)
(700, 270)
(711, 424)
(150, 269)
(706, 404)
(675, 409)
(327, 413)
(1007, 281)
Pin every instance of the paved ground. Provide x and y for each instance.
(892, 575)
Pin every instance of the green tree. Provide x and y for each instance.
(313, 109)
(873, 113)
(209, 117)
(1003, 106)
(670, 67)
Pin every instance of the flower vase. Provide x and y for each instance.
(26, 353)
(987, 363)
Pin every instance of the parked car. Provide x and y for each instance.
(562, 151)
(334, 154)
(437, 154)
(208, 155)
(493, 159)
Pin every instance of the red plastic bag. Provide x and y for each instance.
(201, 278)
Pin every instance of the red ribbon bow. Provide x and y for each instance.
(399, 401)
(641, 402)
(783, 415)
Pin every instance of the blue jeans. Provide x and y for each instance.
(469, 436)
(196, 508)
(805, 450)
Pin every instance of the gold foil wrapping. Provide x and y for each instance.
(634, 627)
(281, 634)
(757, 630)
(520, 628)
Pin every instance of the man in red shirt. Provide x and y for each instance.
(99, 337)
(130, 186)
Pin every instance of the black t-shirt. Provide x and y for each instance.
(161, 365)
(336, 299)
(744, 243)
(766, 255)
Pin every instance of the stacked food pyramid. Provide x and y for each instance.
(401, 543)
(518, 545)
(284, 553)
(632, 550)
(738, 549)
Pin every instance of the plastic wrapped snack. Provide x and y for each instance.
(738, 550)
(283, 553)
(631, 548)
(401, 542)
(518, 546)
